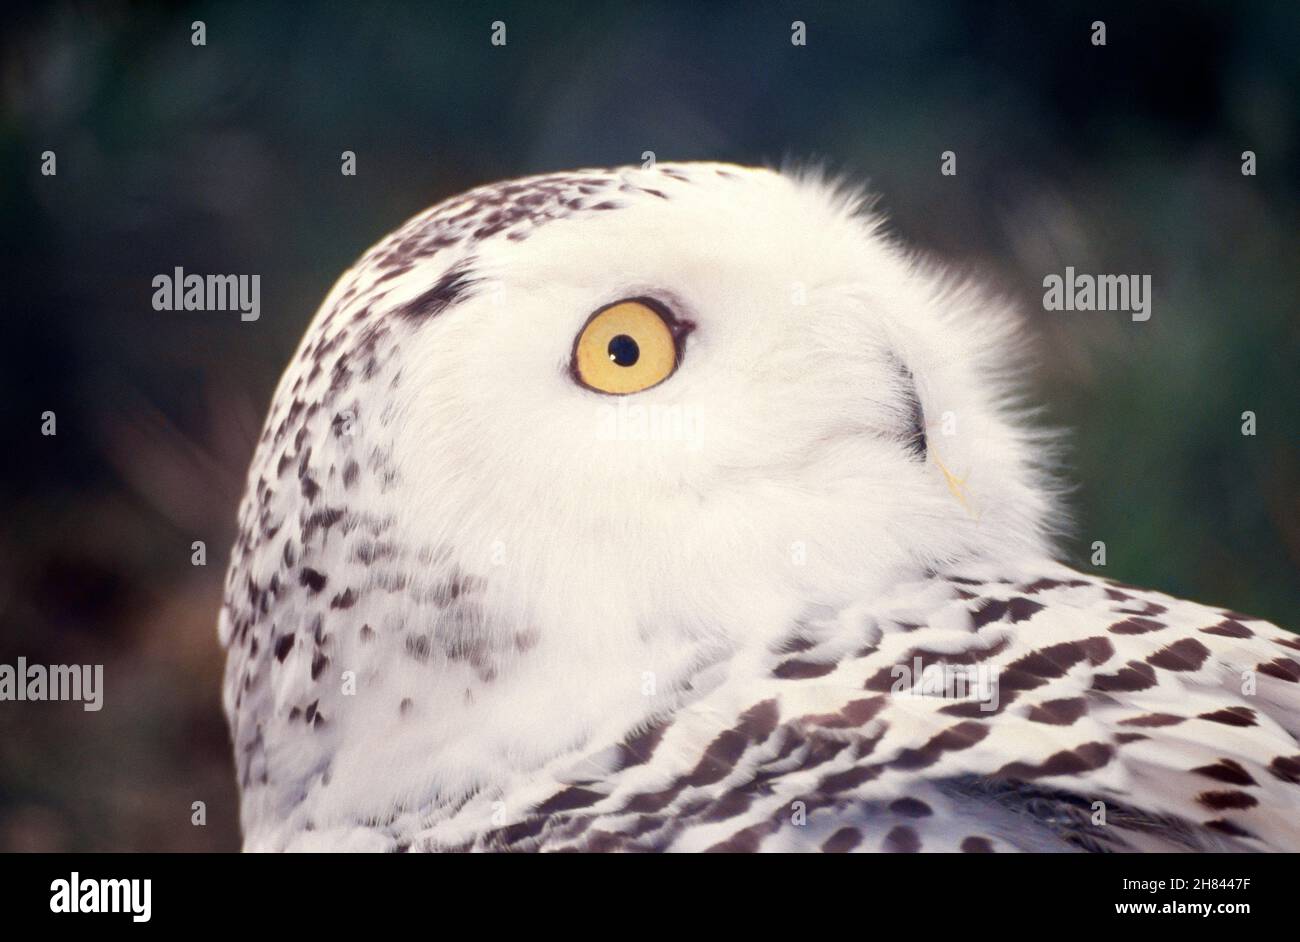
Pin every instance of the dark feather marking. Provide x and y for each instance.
(1223, 800)
(1231, 716)
(842, 841)
(902, 840)
(1185, 655)
(1062, 712)
(446, 291)
(1287, 768)
(1226, 770)
(914, 429)
(1283, 669)
(1082, 758)
(1228, 628)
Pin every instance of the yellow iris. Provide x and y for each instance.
(625, 348)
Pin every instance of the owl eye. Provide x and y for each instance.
(628, 346)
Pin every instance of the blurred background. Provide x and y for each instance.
(225, 158)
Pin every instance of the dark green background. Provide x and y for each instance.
(225, 158)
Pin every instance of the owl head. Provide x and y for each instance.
(701, 376)
(557, 436)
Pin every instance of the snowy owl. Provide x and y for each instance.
(680, 508)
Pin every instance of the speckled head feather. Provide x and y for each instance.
(475, 603)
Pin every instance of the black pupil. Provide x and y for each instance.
(623, 350)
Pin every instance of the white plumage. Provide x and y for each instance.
(476, 603)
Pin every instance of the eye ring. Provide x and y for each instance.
(628, 346)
